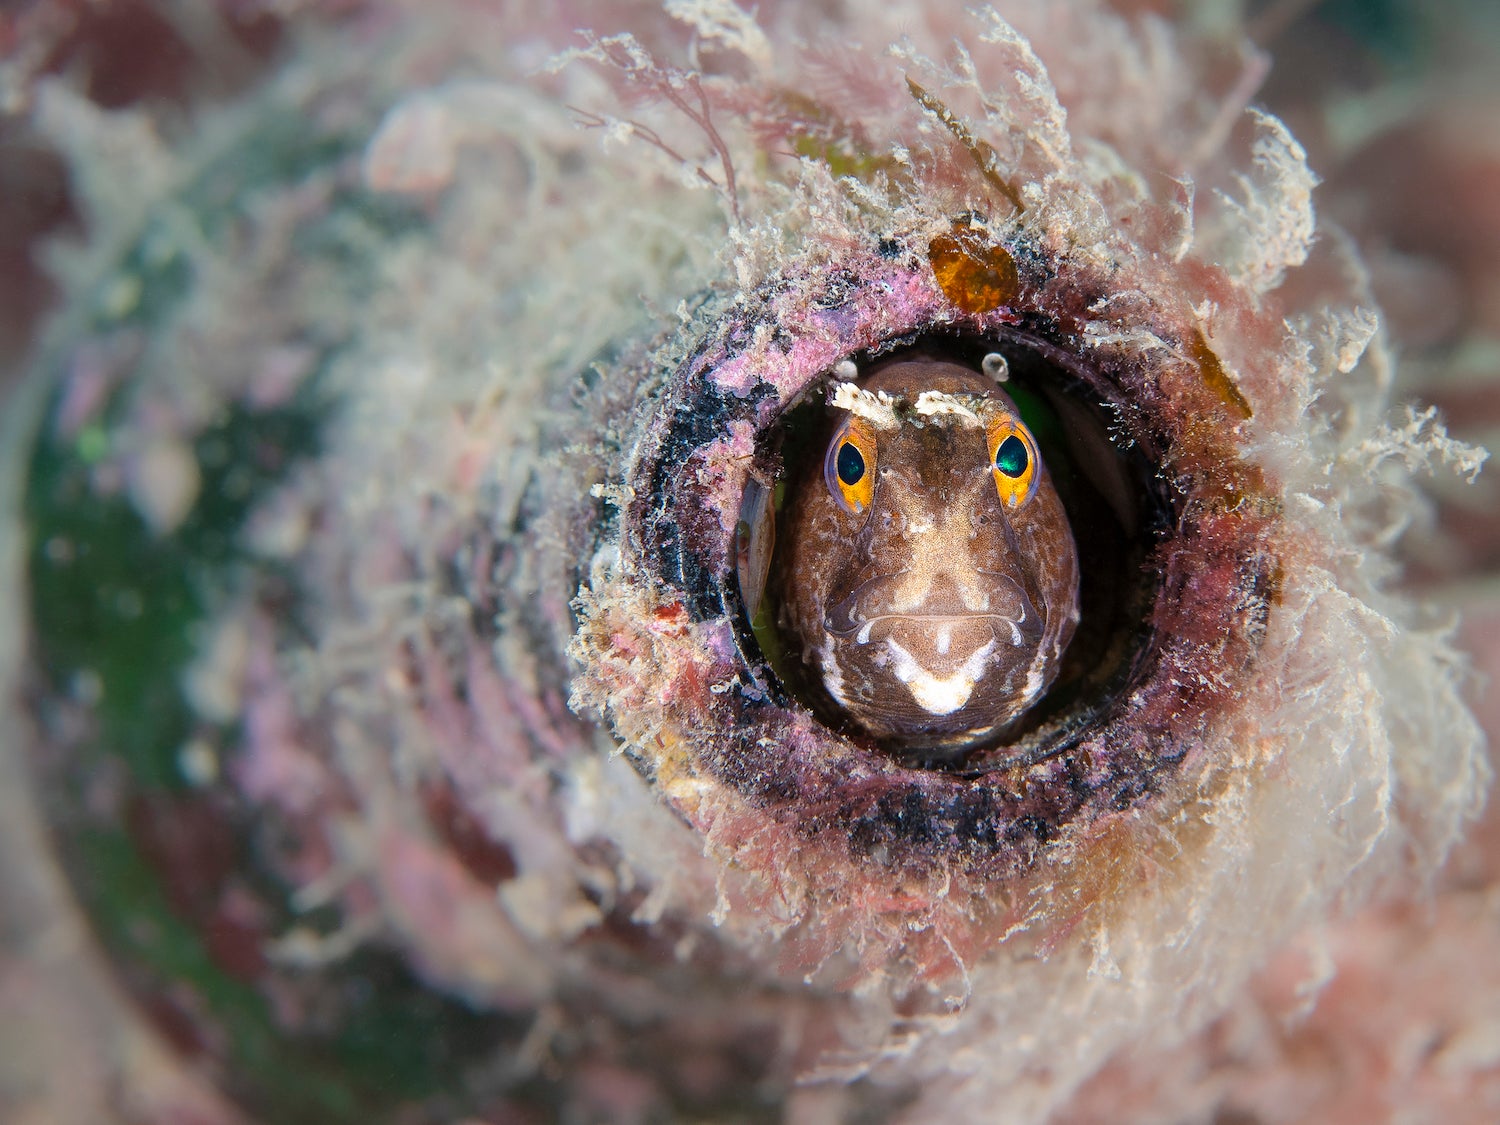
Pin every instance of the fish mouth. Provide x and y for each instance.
(999, 609)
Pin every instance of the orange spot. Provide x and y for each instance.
(670, 618)
(973, 274)
(1216, 378)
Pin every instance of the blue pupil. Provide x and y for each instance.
(851, 465)
(1011, 457)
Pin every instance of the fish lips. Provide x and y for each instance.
(945, 630)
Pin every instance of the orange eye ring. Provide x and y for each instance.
(1014, 461)
(849, 467)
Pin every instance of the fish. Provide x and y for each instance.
(931, 577)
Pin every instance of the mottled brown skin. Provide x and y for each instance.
(936, 617)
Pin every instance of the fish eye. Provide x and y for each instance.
(1013, 460)
(850, 466)
(851, 463)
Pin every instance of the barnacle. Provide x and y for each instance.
(418, 641)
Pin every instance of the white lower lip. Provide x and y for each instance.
(944, 623)
(939, 695)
